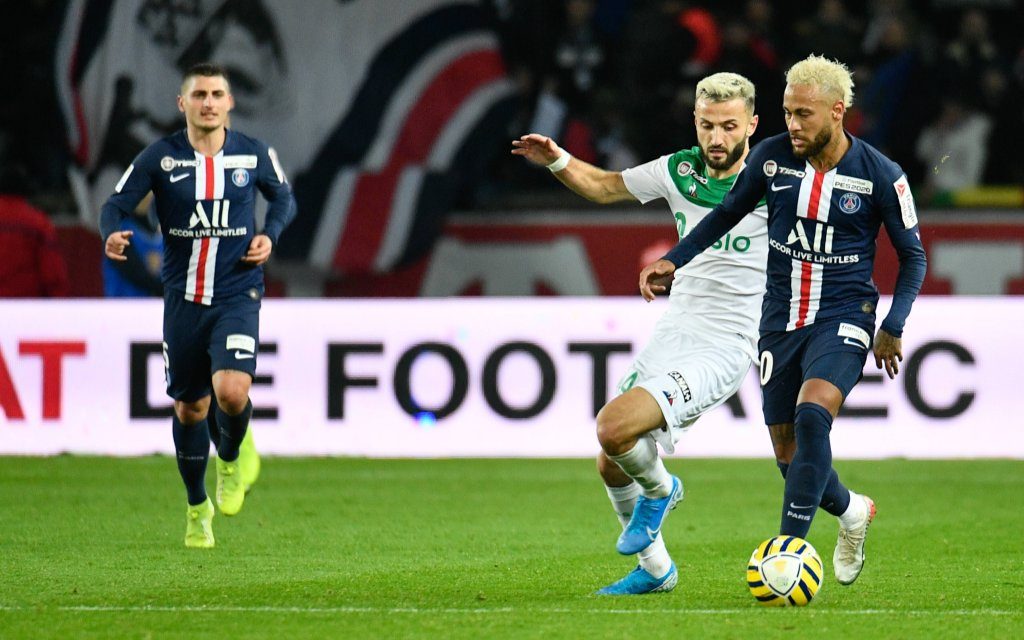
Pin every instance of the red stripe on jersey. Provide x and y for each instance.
(814, 201)
(374, 194)
(209, 181)
(805, 268)
(204, 251)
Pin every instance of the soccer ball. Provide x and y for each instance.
(784, 571)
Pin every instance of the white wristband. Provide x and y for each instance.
(561, 163)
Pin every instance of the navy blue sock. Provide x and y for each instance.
(192, 445)
(836, 498)
(809, 471)
(211, 421)
(232, 430)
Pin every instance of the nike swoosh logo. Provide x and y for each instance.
(242, 356)
(796, 506)
(778, 188)
(652, 533)
(180, 177)
(855, 343)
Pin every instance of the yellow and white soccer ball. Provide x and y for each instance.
(784, 571)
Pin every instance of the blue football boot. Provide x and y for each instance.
(638, 582)
(648, 516)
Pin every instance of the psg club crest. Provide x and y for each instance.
(849, 203)
(241, 177)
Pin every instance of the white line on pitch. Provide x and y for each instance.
(485, 611)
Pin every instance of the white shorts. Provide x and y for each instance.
(688, 370)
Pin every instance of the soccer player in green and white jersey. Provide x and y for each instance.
(704, 344)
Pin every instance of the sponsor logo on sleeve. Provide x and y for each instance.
(906, 199)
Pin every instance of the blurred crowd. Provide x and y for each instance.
(939, 83)
(939, 88)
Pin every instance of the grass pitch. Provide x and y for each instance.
(92, 548)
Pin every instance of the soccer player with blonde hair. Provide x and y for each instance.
(828, 193)
(703, 345)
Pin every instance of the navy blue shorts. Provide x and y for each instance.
(833, 350)
(201, 339)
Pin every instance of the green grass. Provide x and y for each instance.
(92, 547)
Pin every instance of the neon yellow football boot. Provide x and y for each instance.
(199, 526)
(230, 492)
(249, 460)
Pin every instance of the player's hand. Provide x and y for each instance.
(652, 278)
(116, 243)
(538, 149)
(888, 351)
(259, 251)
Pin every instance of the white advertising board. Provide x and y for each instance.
(480, 377)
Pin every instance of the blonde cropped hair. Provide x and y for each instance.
(722, 87)
(831, 76)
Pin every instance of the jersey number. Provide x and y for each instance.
(766, 367)
(680, 224)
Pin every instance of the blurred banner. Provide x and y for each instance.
(379, 111)
(484, 377)
(601, 253)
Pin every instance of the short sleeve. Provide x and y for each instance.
(647, 181)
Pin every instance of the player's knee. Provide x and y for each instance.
(190, 413)
(612, 427)
(232, 396)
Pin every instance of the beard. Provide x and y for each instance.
(731, 157)
(815, 146)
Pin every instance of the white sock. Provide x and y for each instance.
(623, 500)
(855, 513)
(654, 559)
(643, 465)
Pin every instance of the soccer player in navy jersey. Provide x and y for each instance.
(204, 179)
(828, 193)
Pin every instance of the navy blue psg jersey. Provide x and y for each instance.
(207, 210)
(822, 229)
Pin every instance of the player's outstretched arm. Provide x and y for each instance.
(593, 183)
(116, 244)
(655, 277)
(889, 352)
(259, 250)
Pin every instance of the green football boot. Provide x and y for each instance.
(199, 526)
(230, 492)
(249, 460)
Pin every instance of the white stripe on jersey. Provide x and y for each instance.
(806, 278)
(200, 278)
(218, 177)
(825, 201)
(804, 274)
